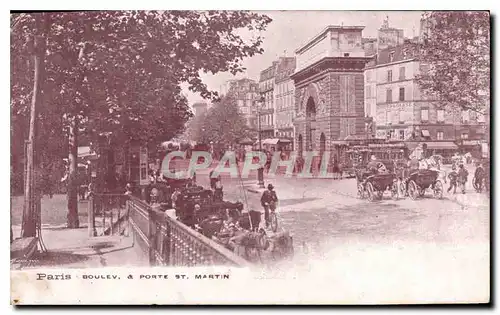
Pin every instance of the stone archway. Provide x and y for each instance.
(300, 145)
(310, 123)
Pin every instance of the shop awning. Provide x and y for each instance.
(269, 141)
(441, 145)
(425, 133)
(340, 142)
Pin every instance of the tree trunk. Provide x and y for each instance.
(126, 162)
(73, 185)
(30, 202)
(73, 221)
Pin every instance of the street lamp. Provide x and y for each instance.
(260, 171)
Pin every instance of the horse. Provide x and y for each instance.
(434, 164)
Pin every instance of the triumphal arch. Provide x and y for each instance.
(329, 90)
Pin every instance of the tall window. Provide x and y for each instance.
(401, 134)
(368, 76)
(440, 135)
(402, 73)
(402, 94)
(465, 116)
(424, 114)
(440, 115)
(368, 91)
(389, 75)
(388, 95)
(401, 117)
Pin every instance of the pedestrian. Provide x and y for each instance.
(479, 177)
(128, 189)
(218, 191)
(462, 177)
(268, 202)
(453, 176)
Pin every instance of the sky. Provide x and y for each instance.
(290, 29)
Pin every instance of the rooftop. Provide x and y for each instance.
(401, 52)
(324, 32)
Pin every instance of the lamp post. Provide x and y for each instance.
(260, 171)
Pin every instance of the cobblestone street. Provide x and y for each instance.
(325, 216)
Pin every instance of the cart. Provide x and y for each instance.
(418, 182)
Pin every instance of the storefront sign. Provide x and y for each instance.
(386, 145)
(472, 142)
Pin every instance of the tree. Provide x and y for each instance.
(223, 124)
(119, 73)
(455, 55)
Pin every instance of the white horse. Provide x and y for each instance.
(434, 164)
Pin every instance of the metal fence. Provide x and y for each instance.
(107, 214)
(169, 242)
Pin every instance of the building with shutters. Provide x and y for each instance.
(266, 112)
(329, 89)
(284, 97)
(404, 113)
(246, 94)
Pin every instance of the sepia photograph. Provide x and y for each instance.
(250, 157)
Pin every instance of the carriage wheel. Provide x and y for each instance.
(395, 190)
(370, 191)
(361, 191)
(421, 192)
(402, 189)
(413, 190)
(438, 189)
(274, 221)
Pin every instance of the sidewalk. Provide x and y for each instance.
(73, 248)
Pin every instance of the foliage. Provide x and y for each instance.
(223, 124)
(120, 72)
(456, 48)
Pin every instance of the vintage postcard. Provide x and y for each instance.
(250, 157)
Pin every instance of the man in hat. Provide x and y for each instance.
(462, 177)
(373, 164)
(453, 176)
(479, 175)
(268, 201)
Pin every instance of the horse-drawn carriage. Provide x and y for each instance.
(231, 226)
(421, 180)
(372, 184)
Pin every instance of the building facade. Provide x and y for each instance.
(284, 97)
(266, 112)
(246, 94)
(389, 36)
(329, 89)
(200, 108)
(403, 112)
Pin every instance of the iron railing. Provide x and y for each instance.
(109, 211)
(169, 242)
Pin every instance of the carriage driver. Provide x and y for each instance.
(373, 164)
